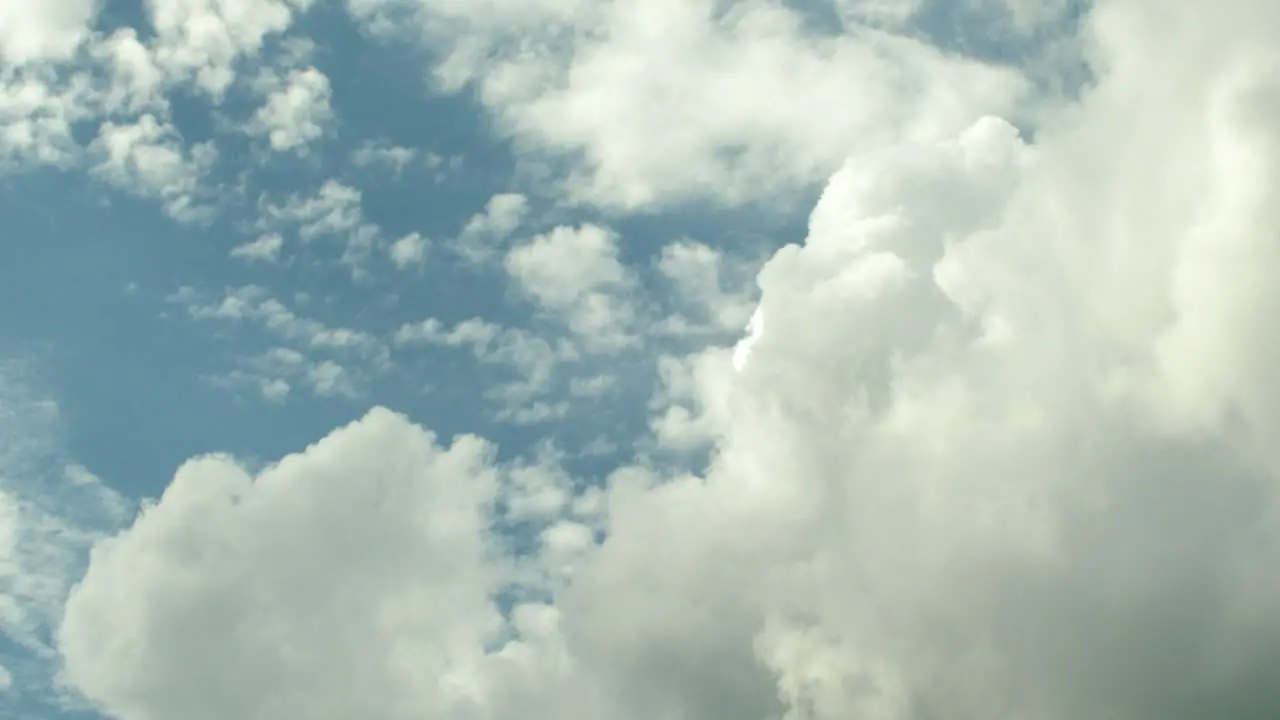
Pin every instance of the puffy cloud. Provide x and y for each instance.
(296, 110)
(36, 117)
(201, 40)
(702, 291)
(574, 272)
(136, 81)
(481, 238)
(335, 210)
(408, 250)
(148, 157)
(658, 102)
(50, 30)
(225, 546)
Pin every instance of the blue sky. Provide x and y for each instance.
(233, 232)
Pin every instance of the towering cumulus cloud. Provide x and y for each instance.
(1002, 448)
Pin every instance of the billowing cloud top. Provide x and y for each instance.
(996, 441)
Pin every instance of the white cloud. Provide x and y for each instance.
(408, 250)
(36, 116)
(148, 157)
(481, 238)
(296, 111)
(575, 274)
(380, 487)
(265, 249)
(335, 210)
(202, 40)
(657, 102)
(697, 276)
(47, 30)
(136, 83)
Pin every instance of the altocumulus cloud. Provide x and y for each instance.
(1001, 448)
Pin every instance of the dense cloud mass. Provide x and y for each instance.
(1001, 447)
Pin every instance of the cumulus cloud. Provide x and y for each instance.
(1002, 447)
(656, 102)
(296, 110)
(200, 41)
(148, 157)
(50, 30)
(378, 488)
(36, 117)
(481, 238)
(703, 284)
(408, 250)
(574, 273)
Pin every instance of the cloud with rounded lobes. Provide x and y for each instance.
(341, 582)
(655, 103)
(1002, 449)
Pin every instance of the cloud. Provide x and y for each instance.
(148, 158)
(380, 487)
(657, 103)
(533, 358)
(200, 41)
(334, 211)
(408, 250)
(265, 249)
(574, 273)
(36, 119)
(481, 238)
(707, 300)
(296, 111)
(50, 30)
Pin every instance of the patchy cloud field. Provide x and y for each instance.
(635, 360)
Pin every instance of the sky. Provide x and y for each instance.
(676, 359)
